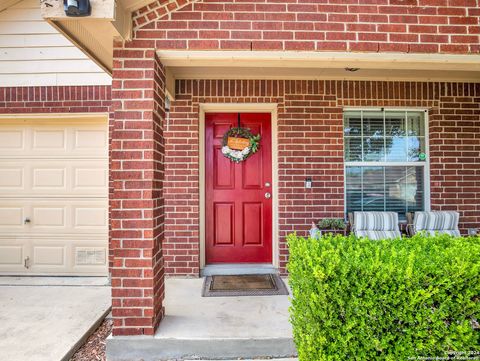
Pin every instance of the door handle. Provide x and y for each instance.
(27, 220)
(268, 195)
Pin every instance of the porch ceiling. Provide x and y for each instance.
(310, 65)
(321, 73)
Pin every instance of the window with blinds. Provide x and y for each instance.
(385, 161)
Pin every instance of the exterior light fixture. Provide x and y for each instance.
(308, 182)
(167, 104)
(77, 8)
(167, 112)
(352, 69)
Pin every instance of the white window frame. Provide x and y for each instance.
(425, 164)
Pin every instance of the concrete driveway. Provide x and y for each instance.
(48, 318)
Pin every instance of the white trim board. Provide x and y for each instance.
(239, 108)
(326, 73)
(425, 165)
(305, 59)
(56, 116)
(281, 65)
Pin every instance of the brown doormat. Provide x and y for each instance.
(244, 285)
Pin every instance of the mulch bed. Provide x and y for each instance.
(94, 348)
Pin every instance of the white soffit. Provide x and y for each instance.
(5, 4)
(320, 59)
(315, 65)
(321, 73)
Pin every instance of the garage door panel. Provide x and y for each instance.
(12, 140)
(37, 177)
(90, 140)
(90, 217)
(53, 196)
(63, 216)
(12, 255)
(54, 140)
(11, 177)
(69, 256)
(69, 216)
(13, 252)
(48, 216)
(51, 256)
(89, 178)
(12, 216)
(48, 179)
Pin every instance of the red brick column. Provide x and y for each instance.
(136, 196)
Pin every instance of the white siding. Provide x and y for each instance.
(34, 53)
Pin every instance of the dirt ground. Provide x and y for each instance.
(94, 348)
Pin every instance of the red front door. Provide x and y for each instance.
(238, 214)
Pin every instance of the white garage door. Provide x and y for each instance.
(54, 196)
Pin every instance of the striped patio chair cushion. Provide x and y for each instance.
(442, 222)
(377, 235)
(376, 225)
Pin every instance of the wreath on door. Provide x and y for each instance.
(239, 143)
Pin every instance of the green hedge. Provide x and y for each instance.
(356, 299)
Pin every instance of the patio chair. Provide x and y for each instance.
(375, 225)
(441, 222)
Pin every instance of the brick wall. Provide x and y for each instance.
(310, 141)
(407, 26)
(136, 198)
(455, 152)
(55, 99)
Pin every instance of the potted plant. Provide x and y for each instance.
(333, 225)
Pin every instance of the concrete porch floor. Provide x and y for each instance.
(211, 328)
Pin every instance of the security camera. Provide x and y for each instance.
(167, 104)
(77, 8)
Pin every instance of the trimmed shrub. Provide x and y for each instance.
(356, 299)
(331, 223)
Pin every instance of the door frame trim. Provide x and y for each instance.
(238, 108)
